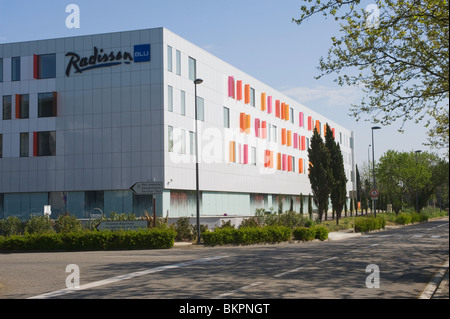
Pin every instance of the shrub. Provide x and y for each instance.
(155, 238)
(366, 224)
(403, 218)
(304, 233)
(246, 235)
(67, 223)
(184, 229)
(320, 232)
(38, 225)
(11, 226)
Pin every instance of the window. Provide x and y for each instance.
(170, 98)
(192, 69)
(170, 138)
(94, 199)
(169, 58)
(1, 145)
(253, 150)
(22, 106)
(226, 117)
(7, 107)
(15, 69)
(47, 104)
(24, 144)
(1, 70)
(269, 132)
(200, 109)
(252, 96)
(274, 130)
(192, 142)
(291, 115)
(183, 141)
(183, 103)
(178, 57)
(46, 66)
(45, 143)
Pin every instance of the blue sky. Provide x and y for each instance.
(256, 36)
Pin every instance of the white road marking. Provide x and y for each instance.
(239, 289)
(108, 281)
(322, 261)
(288, 272)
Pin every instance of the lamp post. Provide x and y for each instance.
(196, 82)
(374, 201)
(368, 165)
(417, 195)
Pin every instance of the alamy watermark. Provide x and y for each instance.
(73, 19)
(73, 280)
(373, 279)
(373, 20)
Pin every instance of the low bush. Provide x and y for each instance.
(304, 233)
(366, 224)
(246, 235)
(320, 232)
(155, 238)
(11, 226)
(403, 218)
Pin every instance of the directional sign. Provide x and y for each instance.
(374, 193)
(147, 188)
(122, 224)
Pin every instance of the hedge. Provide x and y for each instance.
(366, 224)
(91, 240)
(310, 233)
(246, 235)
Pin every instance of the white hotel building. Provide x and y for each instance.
(84, 118)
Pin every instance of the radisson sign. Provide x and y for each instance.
(102, 59)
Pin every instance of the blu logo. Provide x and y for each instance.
(142, 53)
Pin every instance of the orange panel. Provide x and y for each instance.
(239, 90)
(283, 136)
(300, 165)
(283, 111)
(271, 159)
(242, 122)
(247, 124)
(279, 161)
(289, 138)
(277, 108)
(263, 101)
(247, 94)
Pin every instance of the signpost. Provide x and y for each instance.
(374, 193)
(122, 224)
(149, 188)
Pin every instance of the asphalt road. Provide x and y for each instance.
(406, 258)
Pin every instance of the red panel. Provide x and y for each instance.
(17, 106)
(35, 144)
(36, 66)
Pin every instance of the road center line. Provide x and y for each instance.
(322, 261)
(111, 280)
(288, 272)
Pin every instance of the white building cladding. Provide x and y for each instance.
(84, 118)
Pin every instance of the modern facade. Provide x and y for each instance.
(84, 118)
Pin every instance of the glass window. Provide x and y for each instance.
(170, 138)
(291, 115)
(253, 155)
(46, 104)
(15, 69)
(94, 199)
(1, 70)
(24, 109)
(183, 141)
(24, 144)
(47, 66)
(46, 143)
(252, 96)
(1, 145)
(7, 107)
(192, 142)
(183, 103)
(178, 57)
(226, 117)
(274, 130)
(200, 109)
(170, 98)
(192, 69)
(169, 58)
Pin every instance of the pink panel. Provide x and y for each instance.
(269, 104)
(295, 140)
(300, 122)
(257, 127)
(231, 87)
(284, 162)
(245, 153)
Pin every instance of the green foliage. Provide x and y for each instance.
(39, 225)
(67, 223)
(156, 238)
(11, 226)
(320, 232)
(184, 229)
(304, 233)
(246, 235)
(366, 224)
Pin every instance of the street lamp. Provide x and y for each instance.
(196, 82)
(417, 195)
(374, 201)
(368, 166)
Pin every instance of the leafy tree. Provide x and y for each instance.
(400, 60)
(339, 180)
(320, 174)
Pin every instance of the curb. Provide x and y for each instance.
(434, 284)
